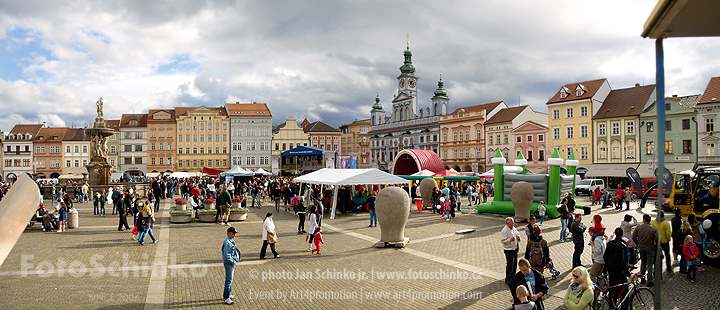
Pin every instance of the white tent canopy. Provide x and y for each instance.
(237, 171)
(262, 172)
(424, 172)
(340, 177)
(180, 175)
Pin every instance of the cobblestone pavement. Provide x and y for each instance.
(96, 266)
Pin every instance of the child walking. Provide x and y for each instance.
(691, 253)
(62, 218)
(317, 238)
(541, 212)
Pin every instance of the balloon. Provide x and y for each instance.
(707, 224)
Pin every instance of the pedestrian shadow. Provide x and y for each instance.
(187, 304)
(485, 290)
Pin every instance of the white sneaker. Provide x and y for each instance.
(228, 301)
(447, 220)
(232, 296)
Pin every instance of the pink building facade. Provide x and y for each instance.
(531, 139)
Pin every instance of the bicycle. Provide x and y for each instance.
(634, 297)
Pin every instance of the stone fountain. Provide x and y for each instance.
(99, 168)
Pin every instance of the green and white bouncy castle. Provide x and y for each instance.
(546, 187)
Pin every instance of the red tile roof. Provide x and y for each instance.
(126, 118)
(319, 127)
(487, 107)
(625, 102)
(712, 92)
(113, 124)
(506, 115)
(152, 112)
(32, 129)
(47, 134)
(247, 109)
(590, 88)
(76, 134)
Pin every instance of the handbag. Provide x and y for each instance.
(271, 238)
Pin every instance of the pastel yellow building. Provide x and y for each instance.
(202, 138)
(570, 113)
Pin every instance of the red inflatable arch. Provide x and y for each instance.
(410, 161)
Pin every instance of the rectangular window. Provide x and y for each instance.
(180, 138)
(668, 125)
(569, 112)
(687, 146)
(630, 127)
(169, 135)
(602, 153)
(616, 152)
(668, 147)
(152, 134)
(556, 133)
(84, 148)
(541, 155)
(518, 139)
(630, 151)
(649, 148)
(490, 140)
(505, 138)
(709, 124)
(541, 137)
(444, 154)
(649, 127)
(583, 131)
(162, 161)
(583, 111)
(455, 155)
(152, 161)
(556, 114)
(667, 106)
(478, 135)
(710, 149)
(138, 160)
(616, 128)
(77, 163)
(67, 163)
(529, 155)
(529, 138)
(77, 149)
(161, 145)
(601, 129)
(583, 152)
(152, 146)
(169, 146)
(570, 132)
(202, 138)
(685, 124)
(569, 150)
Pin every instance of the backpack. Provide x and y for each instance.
(536, 254)
(595, 303)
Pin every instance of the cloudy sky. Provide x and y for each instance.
(323, 60)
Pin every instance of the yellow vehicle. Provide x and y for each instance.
(696, 192)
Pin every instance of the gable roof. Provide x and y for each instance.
(319, 127)
(473, 108)
(247, 109)
(126, 118)
(182, 111)
(113, 124)
(689, 101)
(530, 125)
(33, 129)
(76, 134)
(589, 87)
(304, 122)
(506, 115)
(625, 102)
(712, 92)
(152, 112)
(46, 134)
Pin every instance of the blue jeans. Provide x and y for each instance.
(373, 216)
(542, 219)
(229, 270)
(145, 232)
(102, 208)
(564, 223)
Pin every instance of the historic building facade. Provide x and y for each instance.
(287, 136)
(113, 144)
(76, 147)
(616, 130)
(161, 140)
(18, 151)
(531, 140)
(48, 156)
(133, 144)
(355, 144)
(708, 108)
(408, 126)
(462, 136)
(251, 135)
(202, 138)
(570, 113)
(498, 131)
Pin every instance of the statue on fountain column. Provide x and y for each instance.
(99, 104)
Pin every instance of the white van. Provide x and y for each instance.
(588, 186)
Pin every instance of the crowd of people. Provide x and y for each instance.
(614, 254)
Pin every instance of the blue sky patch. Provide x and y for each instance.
(18, 49)
(179, 64)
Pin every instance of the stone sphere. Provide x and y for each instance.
(392, 207)
(426, 189)
(521, 195)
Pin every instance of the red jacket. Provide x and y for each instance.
(690, 250)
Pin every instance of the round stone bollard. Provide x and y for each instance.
(392, 207)
(72, 219)
(426, 189)
(521, 195)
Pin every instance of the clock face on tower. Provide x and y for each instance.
(402, 83)
(412, 83)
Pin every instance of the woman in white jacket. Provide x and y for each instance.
(268, 227)
(312, 226)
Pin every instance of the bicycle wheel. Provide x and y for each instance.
(643, 298)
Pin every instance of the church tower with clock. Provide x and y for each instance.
(405, 105)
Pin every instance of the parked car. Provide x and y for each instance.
(588, 186)
(646, 183)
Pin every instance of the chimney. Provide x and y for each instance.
(637, 84)
(674, 96)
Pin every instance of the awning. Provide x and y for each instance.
(305, 151)
(153, 174)
(608, 170)
(329, 176)
(262, 171)
(209, 171)
(237, 172)
(71, 176)
(672, 167)
(180, 175)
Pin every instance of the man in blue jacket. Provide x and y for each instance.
(231, 255)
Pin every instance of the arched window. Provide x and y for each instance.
(436, 109)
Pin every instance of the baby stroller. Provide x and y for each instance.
(553, 272)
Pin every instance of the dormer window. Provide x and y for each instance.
(580, 90)
(563, 93)
(28, 136)
(133, 123)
